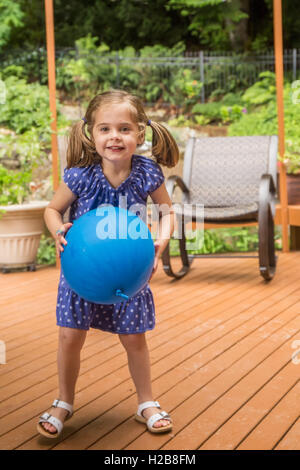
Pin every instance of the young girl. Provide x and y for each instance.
(101, 168)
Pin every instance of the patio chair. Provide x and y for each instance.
(235, 178)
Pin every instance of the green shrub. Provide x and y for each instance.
(14, 186)
(231, 99)
(262, 118)
(92, 69)
(225, 240)
(26, 112)
(201, 120)
(185, 89)
(211, 111)
(232, 113)
(229, 109)
(237, 75)
(26, 106)
(263, 91)
(180, 121)
(46, 252)
(263, 122)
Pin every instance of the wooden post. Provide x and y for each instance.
(52, 87)
(52, 93)
(277, 11)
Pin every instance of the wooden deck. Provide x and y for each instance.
(221, 358)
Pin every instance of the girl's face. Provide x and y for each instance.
(115, 134)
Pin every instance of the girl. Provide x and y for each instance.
(102, 167)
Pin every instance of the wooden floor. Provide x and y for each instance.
(221, 357)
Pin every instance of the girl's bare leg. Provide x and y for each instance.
(139, 367)
(68, 360)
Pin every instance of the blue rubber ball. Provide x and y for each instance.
(109, 256)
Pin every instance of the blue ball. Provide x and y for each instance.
(109, 256)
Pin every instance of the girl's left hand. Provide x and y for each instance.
(156, 258)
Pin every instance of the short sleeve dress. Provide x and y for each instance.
(92, 189)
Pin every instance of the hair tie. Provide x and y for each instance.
(84, 120)
(149, 122)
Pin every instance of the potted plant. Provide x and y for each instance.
(21, 219)
(25, 167)
(292, 163)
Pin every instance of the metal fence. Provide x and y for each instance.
(223, 71)
(215, 69)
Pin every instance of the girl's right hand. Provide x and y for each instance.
(60, 237)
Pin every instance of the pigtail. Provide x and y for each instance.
(81, 150)
(164, 146)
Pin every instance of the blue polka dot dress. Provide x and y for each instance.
(92, 189)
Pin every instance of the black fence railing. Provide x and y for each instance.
(217, 71)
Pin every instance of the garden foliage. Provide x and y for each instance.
(25, 113)
(260, 100)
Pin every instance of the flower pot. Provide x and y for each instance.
(293, 188)
(21, 227)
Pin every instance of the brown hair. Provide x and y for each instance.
(81, 149)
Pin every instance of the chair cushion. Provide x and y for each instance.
(245, 212)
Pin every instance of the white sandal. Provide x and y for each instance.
(47, 418)
(154, 418)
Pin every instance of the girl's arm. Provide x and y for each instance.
(166, 221)
(54, 212)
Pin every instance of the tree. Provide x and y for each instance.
(119, 23)
(219, 24)
(200, 24)
(10, 17)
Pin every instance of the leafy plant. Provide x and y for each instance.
(25, 112)
(201, 120)
(14, 186)
(13, 70)
(11, 16)
(228, 109)
(211, 110)
(155, 82)
(26, 106)
(263, 91)
(180, 121)
(212, 21)
(232, 113)
(46, 253)
(93, 68)
(262, 120)
(185, 89)
(27, 148)
(225, 240)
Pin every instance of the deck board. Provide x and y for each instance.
(221, 363)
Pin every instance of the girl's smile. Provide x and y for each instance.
(114, 148)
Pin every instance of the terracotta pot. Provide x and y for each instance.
(21, 227)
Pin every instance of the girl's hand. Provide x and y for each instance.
(60, 237)
(156, 258)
